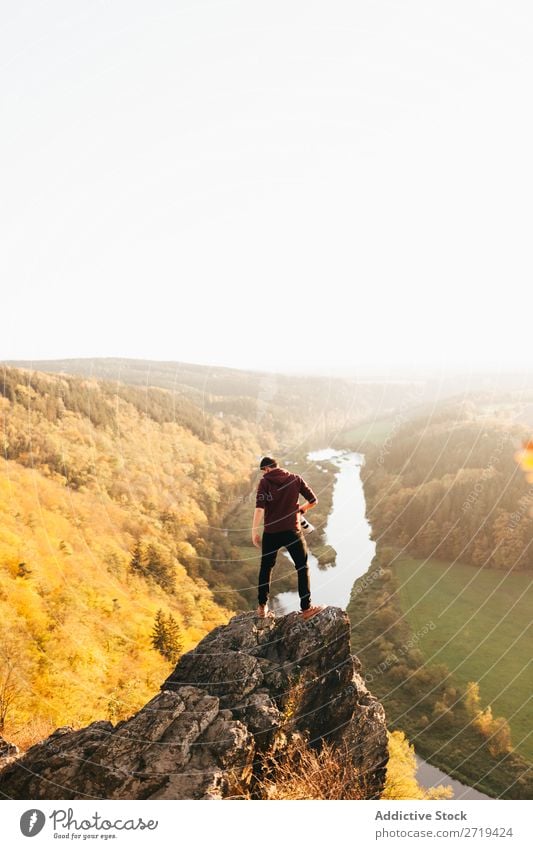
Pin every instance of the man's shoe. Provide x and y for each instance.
(263, 612)
(312, 611)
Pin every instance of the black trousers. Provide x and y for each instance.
(295, 544)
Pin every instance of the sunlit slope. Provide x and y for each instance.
(90, 472)
(75, 622)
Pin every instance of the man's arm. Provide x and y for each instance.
(259, 513)
(308, 493)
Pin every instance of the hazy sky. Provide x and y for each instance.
(268, 184)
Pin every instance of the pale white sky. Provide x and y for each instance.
(174, 172)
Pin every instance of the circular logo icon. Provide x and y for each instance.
(32, 822)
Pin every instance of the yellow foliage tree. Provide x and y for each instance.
(401, 780)
(496, 730)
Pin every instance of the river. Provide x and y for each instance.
(348, 532)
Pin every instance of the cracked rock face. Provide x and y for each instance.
(244, 690)
(8, 753)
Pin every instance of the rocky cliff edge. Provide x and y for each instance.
(245, 690)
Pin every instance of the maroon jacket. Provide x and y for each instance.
(278, 492)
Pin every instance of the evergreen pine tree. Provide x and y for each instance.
(136, 562)
(159, 633)
(174, 640)
(158, 567)
(166, 637)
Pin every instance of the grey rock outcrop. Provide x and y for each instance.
(244, 690)
(8, 753)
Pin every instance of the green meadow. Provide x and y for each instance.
(375, 431)
(483, 632)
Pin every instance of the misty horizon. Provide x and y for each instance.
(462, 378)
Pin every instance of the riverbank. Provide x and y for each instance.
(430, 776)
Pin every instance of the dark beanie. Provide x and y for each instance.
(267, 461)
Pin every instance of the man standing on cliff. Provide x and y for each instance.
(277, 506)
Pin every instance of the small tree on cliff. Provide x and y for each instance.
(166, 637)
(13, 681)
(136, 562)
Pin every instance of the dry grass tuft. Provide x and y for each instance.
(302, 772)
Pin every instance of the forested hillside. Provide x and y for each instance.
(299, 409)
(447, 485)
(442, 620)
(111, 500)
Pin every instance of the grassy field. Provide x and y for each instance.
(375, 431)
(483, 632)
